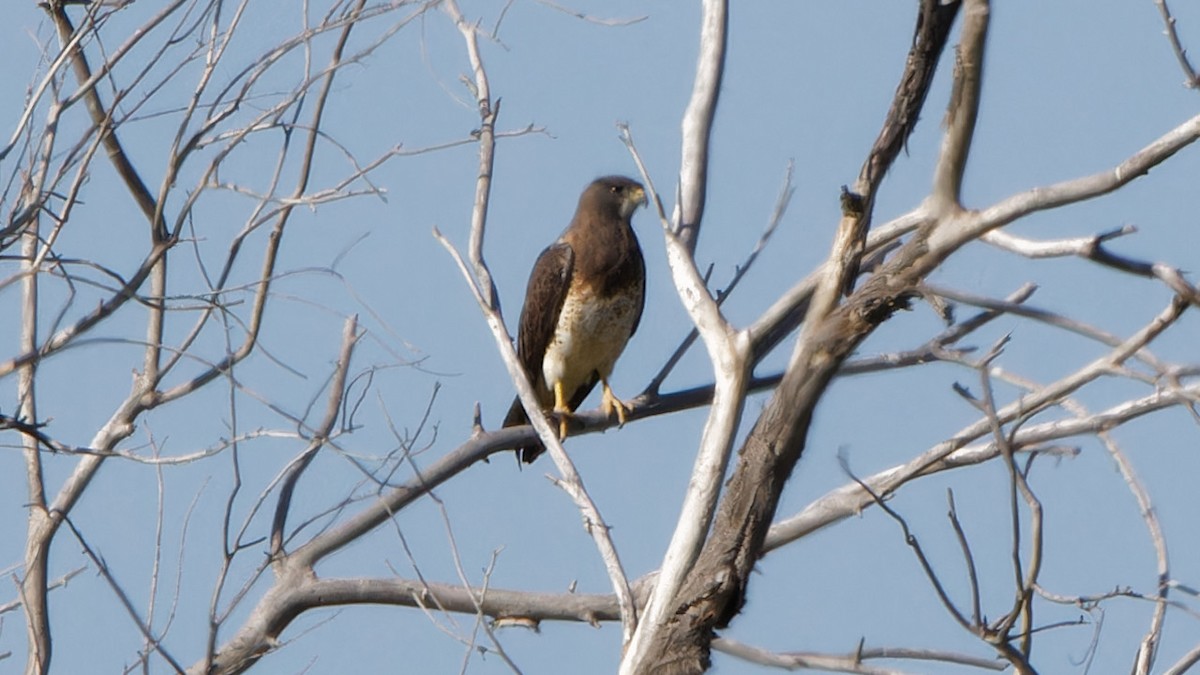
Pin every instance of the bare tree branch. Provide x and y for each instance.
(337, 389)
(1192, 80)
(488, 110)
(714, 591)
(962, 111)
(143, 626)
(728, 351)
(35, 583)
(1185, 663)
(934, 21)
(698, 121)
(781, 204)
(849, 500)
(590, 18)
(57, 583)
(847, 663)
(103, 119)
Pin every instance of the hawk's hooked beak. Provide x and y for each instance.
(637, 197)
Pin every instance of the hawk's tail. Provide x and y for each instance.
(516, 417)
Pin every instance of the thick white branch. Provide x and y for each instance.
(698, 121)
(973, 224)
(728, 349)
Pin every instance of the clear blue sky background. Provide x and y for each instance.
(1071, 88)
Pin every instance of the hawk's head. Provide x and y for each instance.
(614, 196)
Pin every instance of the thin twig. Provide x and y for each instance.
(781, 205)
(847, 663)
(1192, 81)
(591, 18)
(915, 544)
(147, 633)
(968, 558)
(337, 390)
(60, 582)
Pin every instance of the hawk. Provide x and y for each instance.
(583, 302)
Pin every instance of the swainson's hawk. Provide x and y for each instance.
(583, 302)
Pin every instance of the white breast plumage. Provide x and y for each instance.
(591, 333)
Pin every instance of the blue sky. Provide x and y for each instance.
(1071, 88)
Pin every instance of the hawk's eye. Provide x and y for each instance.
(615, 189)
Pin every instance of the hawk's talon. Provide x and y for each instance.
(611, 403)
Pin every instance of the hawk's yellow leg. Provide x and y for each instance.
(560, 407)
